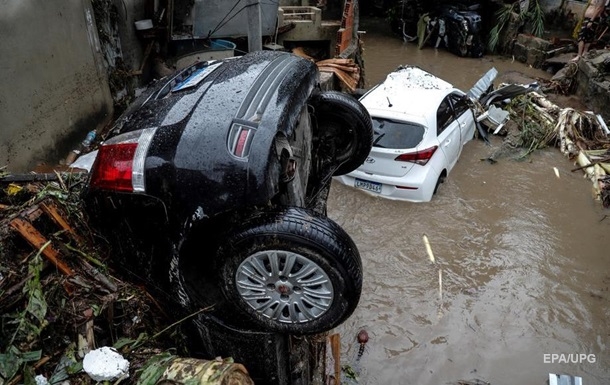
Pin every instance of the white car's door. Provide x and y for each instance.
(448, 133)
(464, 115)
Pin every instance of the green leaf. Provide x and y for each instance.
(153, 368)
(75, 367)
(141, 339)
(67, 365)
(494, 38)
(31, 356)
(9, 363)
(96, 310)
(349, 372)
(122, 342)
(28, 376)
(37, 306)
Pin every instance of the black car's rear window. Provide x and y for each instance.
(393, 134)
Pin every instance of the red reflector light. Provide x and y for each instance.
(420, 157)
(113, 167)
(242, 140)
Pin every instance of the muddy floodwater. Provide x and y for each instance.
(524, 258)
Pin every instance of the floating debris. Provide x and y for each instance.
(440, 284)
(363, 338)
(471, 382)
(429, 249)
(582, 136)
(564, 379)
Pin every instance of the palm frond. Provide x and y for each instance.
(503, 16)
(494, 38)
(536, 17)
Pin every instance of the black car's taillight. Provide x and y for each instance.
(119, 165)
(420, 157)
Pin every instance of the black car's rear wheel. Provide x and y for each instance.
(344, 130)
(291, 271)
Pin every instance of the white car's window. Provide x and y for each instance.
(444, 116)
(393, 134)
(459, 104)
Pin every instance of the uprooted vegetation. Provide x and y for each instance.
(535, 123)
(59, 295)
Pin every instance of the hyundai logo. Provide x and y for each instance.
(370, 160)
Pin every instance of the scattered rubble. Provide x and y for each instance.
(61, 297)
(535, 122)
(346, 70)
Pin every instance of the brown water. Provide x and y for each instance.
(524, 257)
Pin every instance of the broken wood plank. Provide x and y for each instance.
(52, 211)
(37, 240)
(349, 81)
(98, 276)
(341, 61)
(299, 51)
(591, 164)
(335, 349)
(43, 177)
(344, 68)
(31, 213)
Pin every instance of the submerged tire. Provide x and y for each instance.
(441, 179)
(291, 271)
(344, 129)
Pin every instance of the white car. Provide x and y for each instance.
(421, 124)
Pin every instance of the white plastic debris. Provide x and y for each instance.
(41, 380)
(105, 364)
(85, 161)
(564, 379)
(602, 123)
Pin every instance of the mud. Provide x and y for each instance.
(523, 256)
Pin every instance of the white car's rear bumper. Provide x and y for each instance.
(415, 187)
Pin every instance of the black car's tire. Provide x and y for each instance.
(291, 271)
(344, 129)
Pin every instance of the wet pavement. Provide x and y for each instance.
(523, 256)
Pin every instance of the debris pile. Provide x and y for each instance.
(60, 297)
(346, 70)
(535, 122)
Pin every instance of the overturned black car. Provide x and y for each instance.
(462, 31)
(456, 26)
(214, 189)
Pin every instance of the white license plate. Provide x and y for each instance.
(367, 185)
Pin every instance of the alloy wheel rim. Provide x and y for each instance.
(284, 286)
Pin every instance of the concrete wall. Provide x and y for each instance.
(549, 5)
(307, 28)
(129, 12)
(576, 7)
(54, 88)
